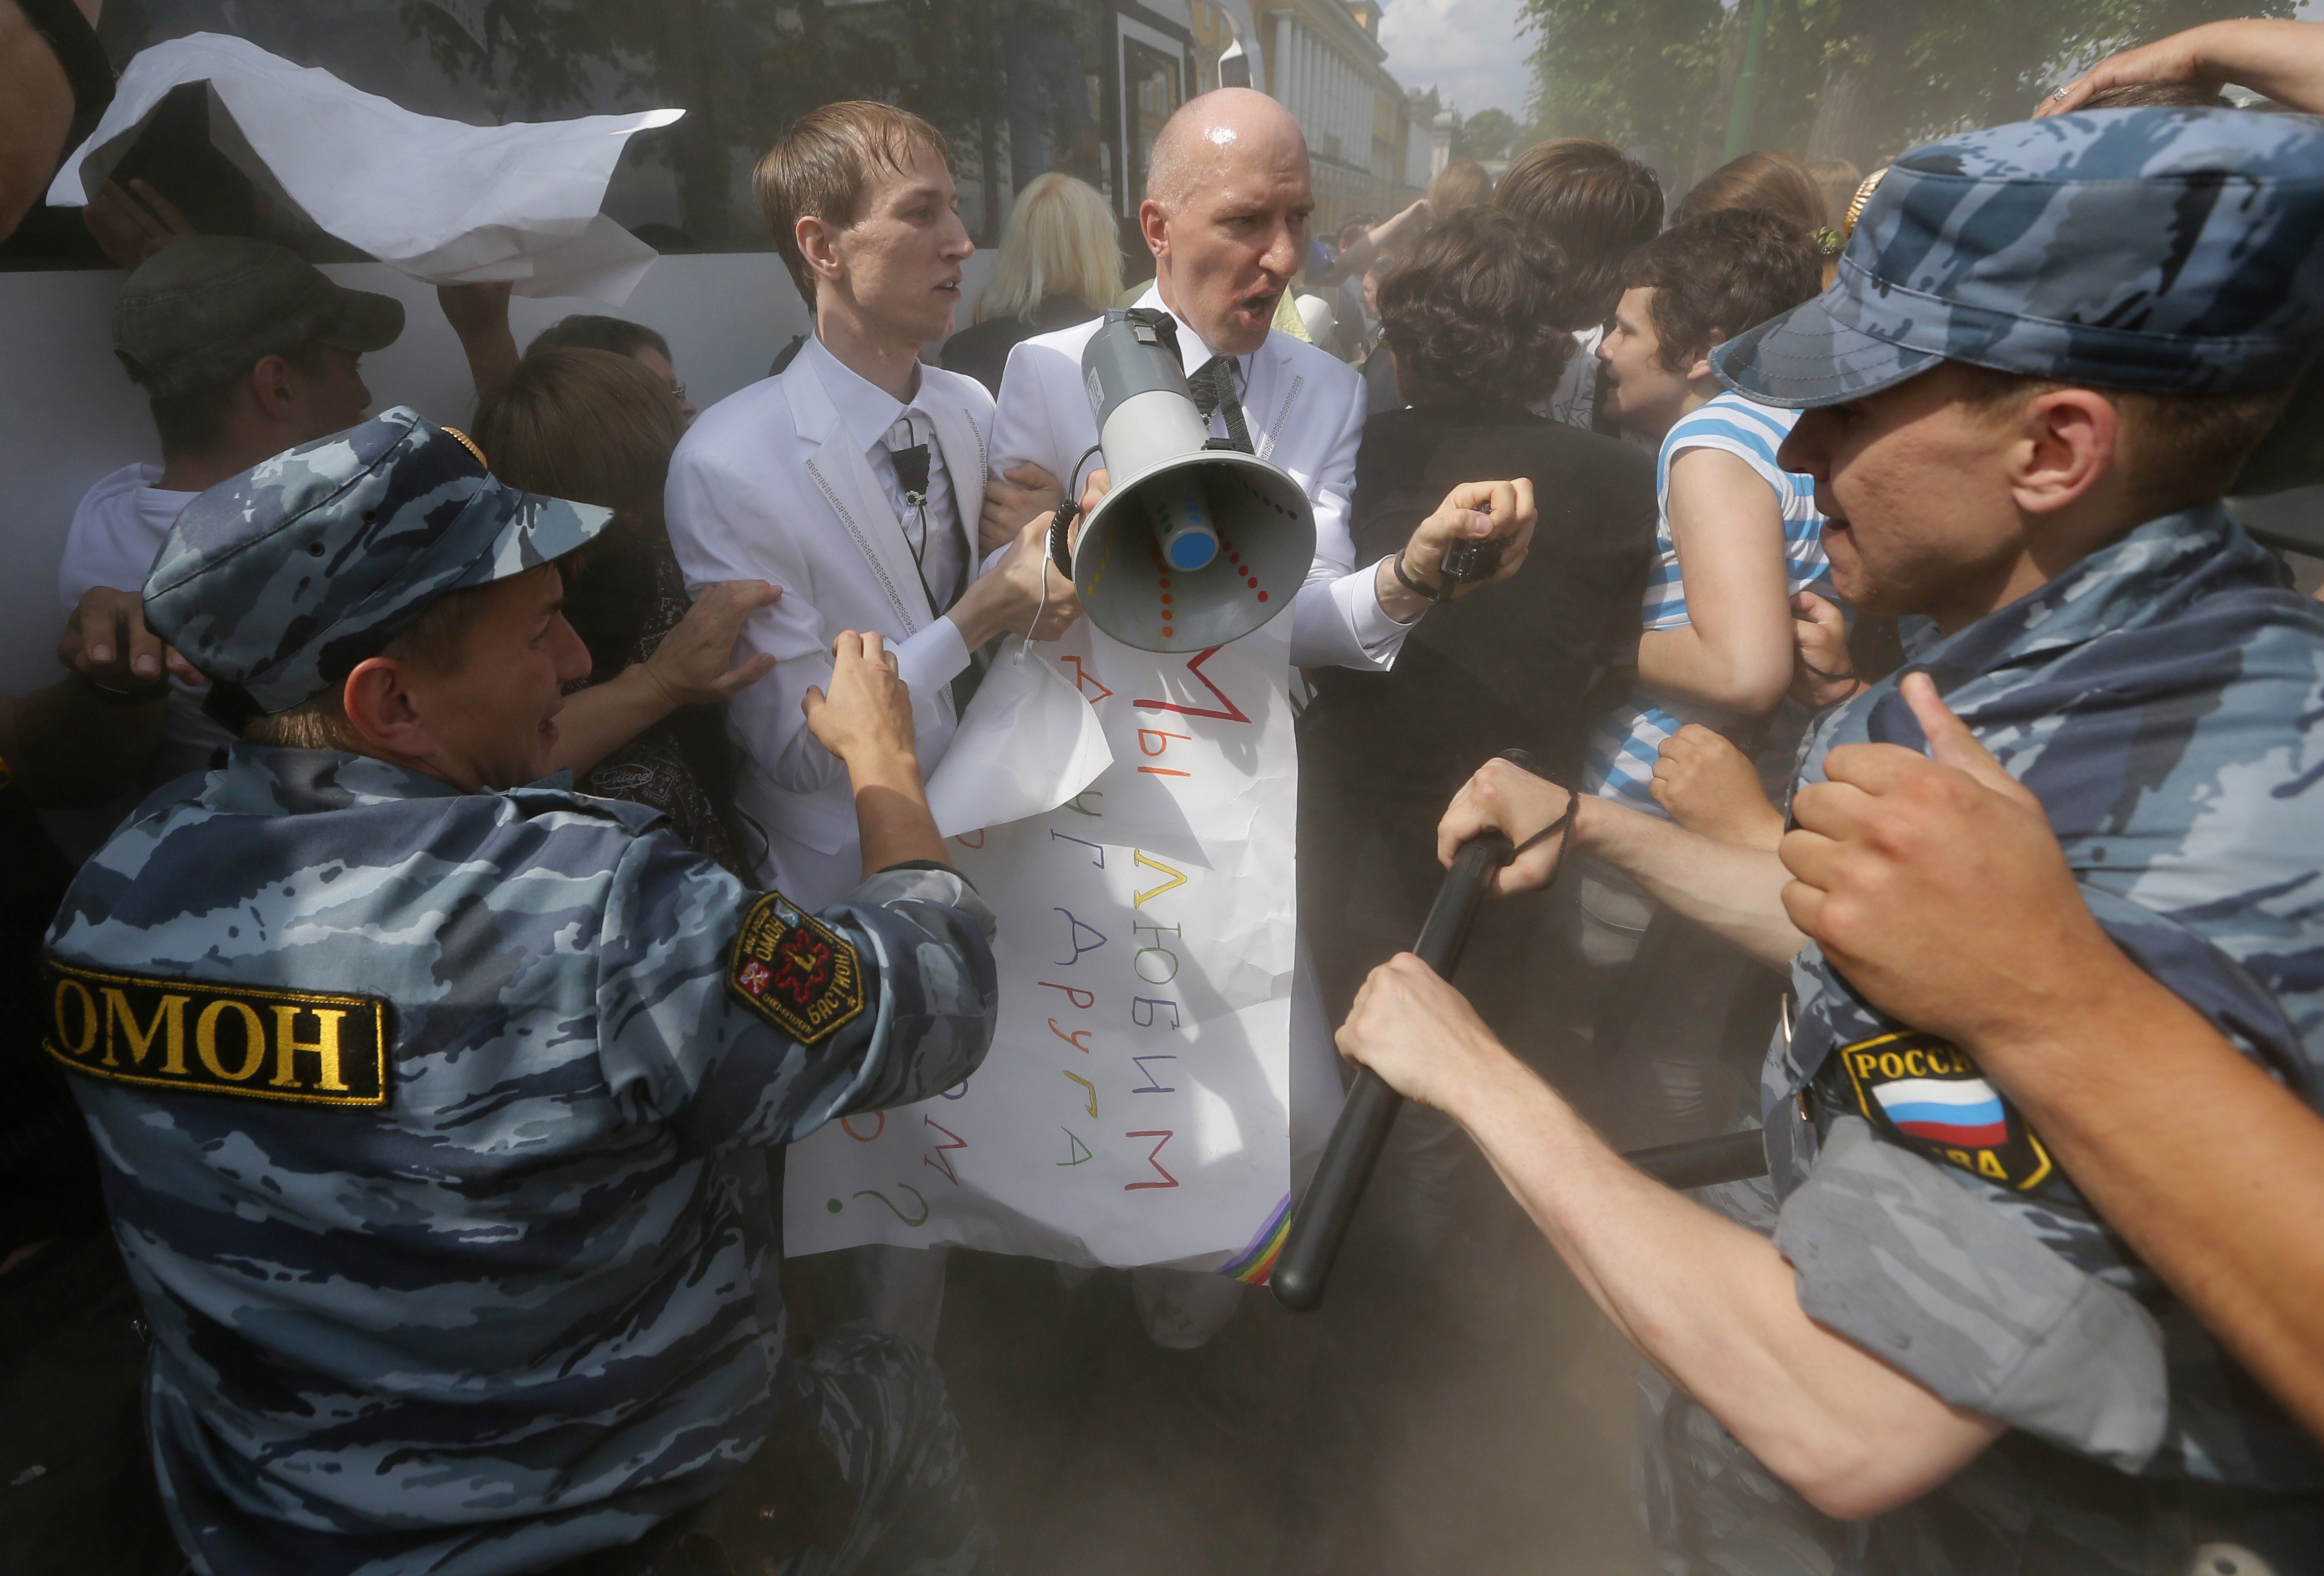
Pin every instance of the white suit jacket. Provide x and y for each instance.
(770, 485)
(1304, 408)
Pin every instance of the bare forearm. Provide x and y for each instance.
(1734, 892)
(892, 812)
(2205, 1164)
(600, 719)
(1743, 676)
(2283, 59)
(1713, 1306)
(1359, 254)
(479, 317)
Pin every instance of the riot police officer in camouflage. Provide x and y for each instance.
(430, 1096)
(2048, 351)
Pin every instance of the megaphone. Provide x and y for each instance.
(1196, 543)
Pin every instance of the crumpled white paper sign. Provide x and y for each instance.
(1027, 744)
(1136, 1106)
(444, 202)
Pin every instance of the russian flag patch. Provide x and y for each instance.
(1929, 1093)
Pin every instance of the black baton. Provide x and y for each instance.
(1320, 1222)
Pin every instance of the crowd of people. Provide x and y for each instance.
(455, 862)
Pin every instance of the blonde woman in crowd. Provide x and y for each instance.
(1060, 264)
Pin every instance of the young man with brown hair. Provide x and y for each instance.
(1736, 539)
(1596, 204)
(2020, 402)
(854, 481)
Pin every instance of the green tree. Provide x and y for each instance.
(1631, 71)
(1859, 79)
(1489, 133)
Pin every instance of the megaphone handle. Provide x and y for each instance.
(1061, 548)
(1320, 1222)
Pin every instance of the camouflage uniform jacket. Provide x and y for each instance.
(425, 1121)
(2157, 698)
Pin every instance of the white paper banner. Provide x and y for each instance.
(444, 202)
(1025, 745)
(1135, 1107)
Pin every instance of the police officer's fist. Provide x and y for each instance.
(1935, 884)
(1504, 798)
(867, 716)
(1422, 1036)
(1822, 672)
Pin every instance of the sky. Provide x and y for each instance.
(1469, 48)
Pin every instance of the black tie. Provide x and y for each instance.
(1213, 388)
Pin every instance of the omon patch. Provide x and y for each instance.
(795, 971)
(311, 1047)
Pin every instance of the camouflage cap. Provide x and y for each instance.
(2172, 250)
(277, 582)
(203, 310)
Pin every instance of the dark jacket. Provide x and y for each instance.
(1515, 664)
(625, 600)
(48, 1167)
(1509, 664)
(981, 350)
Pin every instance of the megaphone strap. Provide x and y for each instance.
(1213, 388)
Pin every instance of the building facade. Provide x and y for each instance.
(1324, 63)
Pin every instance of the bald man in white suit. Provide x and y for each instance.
(1227, 201)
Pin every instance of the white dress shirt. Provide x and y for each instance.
(790, 481)
(1304, 408)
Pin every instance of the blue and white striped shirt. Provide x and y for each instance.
(1620, 762)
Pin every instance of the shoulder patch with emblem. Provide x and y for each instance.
(1929, 1093)
(795, 971)
(315, 1047)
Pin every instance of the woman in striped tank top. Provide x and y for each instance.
(1738, 537)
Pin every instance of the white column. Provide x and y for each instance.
(1358, 140)
(1281, 76)
(1302, 75)
(1319, 91)
(1322, 83)
(1351, 145)
(1305, 47)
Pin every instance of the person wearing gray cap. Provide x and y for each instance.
(244, 350)
(2048, 350)
(431, 1095)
